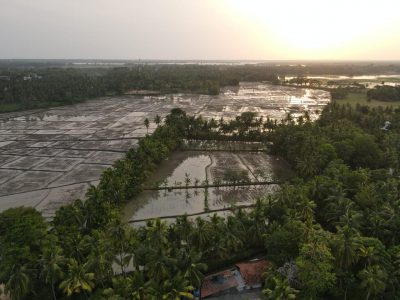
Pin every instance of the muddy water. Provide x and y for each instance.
(210, 166)
(172, 171)
(164, 203)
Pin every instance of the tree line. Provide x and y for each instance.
(384, 93)
(31, 88)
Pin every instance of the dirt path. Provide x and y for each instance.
(208, 167)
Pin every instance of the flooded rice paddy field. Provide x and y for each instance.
(214, 145)
(50, 157)
(163, 203)
(205, 166)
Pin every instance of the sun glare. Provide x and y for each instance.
(315, 28)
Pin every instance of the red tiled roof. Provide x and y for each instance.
(252, 271)
(219, 282)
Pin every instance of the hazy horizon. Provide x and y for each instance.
(228, 30)
(206, 60)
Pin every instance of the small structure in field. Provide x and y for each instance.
(386, 126)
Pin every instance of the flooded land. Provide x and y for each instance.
(201, 168)
(50, 157)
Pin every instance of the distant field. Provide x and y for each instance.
(361, 98)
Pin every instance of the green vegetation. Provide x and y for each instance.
(331, 233)
(49, 87)
(11, 107)
(361, 99)
(381, 95)
(25, 85)
(385, 93)
(339, 93)
(236, 176)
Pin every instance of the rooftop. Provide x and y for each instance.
(218, 282)
(252, 271)
(233, 281)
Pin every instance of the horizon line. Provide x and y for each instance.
(199, 60)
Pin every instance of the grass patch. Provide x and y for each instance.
(361, 98)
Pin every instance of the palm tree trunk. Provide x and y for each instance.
(52, 289)
(122, 264)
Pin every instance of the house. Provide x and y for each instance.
(243, 277)
(221, 282)
(252, 271)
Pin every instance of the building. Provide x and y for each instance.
(221, 282)
(252, 272)
(243, 277)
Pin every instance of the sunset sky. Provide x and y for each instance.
(200, 29)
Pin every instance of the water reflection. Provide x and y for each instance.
(164, 203)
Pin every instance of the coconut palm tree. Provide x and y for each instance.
(369, 254)
(147, 124)
(157, 120)
(159, 266)
(77, 279)
(278, 288)
(201, 235)
(51, 264)
(373, 280)
(19, 283)
(305, 208)
(177, 288)
(183, 227)
(231, 238)
(100, 259)
(157, 234)
(307, 166)
(189, 262)
(118, 233)
(258, 224)
(346, 244)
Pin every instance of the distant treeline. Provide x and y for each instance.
(29, 87)
(385, 93)
(349, 68)
(342, 92)
(44, 84)
(343, 68)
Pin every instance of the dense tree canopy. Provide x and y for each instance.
(385, 93)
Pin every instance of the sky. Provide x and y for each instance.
(200, 29)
